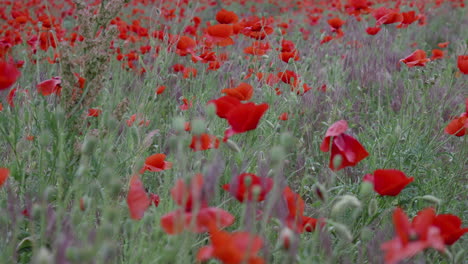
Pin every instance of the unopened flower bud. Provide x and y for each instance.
(366, 189)
(277, 154)
(198, 126)
(89, 145)
(233, 146)
(373, 207)
(337, 160)
(43, 256)
(320, 191)
(431, 199)
(287, 237)
(178, 124)
(343, 232)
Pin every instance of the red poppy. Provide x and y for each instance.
(459, 125)
(224, 105)
(220, 34)
(94, 112)
(4, 174)
(156, 163)
(295, 218)
(408, 18)
(186, 104)
(373, 30)
(226, 17)
(50, 86)
(178, 67)
(186, 45)
(232, 248)
(160, 89)
(243, 91)
(190, 72)
(417, 58)
(343, 145)
(249, 186)
(443, 44)
(335, 23)
(137, 199)
(462, 63)
(450, 228)
(287, 56)
(193, 207)
(243, 118)
(388, 182)
(8, 75)
(283, 116)
(412, 237)
(437, 54)
(204, 142)
(386, 16)
(258, 48)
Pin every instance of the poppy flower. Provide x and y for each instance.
(249, 186)
(186, 45)
(232, 248)
(408, 18)
(194, 214)
(295, 218)
(258, 48)
(412, 237)
(289, 77)
(50, 86)
(287, 56)
(462, 63)
(243, 118)
(336, 23)
(443, 44)
(226, 17)
(283, 116)
(204, 142)
(243, 91)
(137, 198)
(417, 58)
(186, 104)
(450, 228)
(4, 174)
(385, 16)
(220, 34)
(224, 105)
(459, 125)
(388, 182)
(94, 112)
(8, 75)
(373, 30)
(343, 145)
(156, 163)
(437, 54)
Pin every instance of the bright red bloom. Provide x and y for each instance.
(226, 17)
(94, 112)
(408, 18)
(160, 89)
(224, 105)
(50, 86)
(295, 218)
(243, 118)
(417, 58)
(388, 182)
(137, 199)
(459, 125)
(186, 45)
(347, 147)
(244, 186)
(437, 54)
(373, 30)
(194, 213)
(412, 237)
(243, 91)
(204, 142)
(450, 228)
(335, 23)
(232, 248)
(156, 163)
(4, 174)
(8, 75)
(443, 44)
(462, 63)
(283, 116)
(220, 34)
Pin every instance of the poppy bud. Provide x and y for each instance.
(459, 256)
(320, 191)
(50, 194)
(111, 123)
(60, 115)
(179, 124)
(256, 191)
(134, 133)
(287, 140)
(198, 126)
(431, 199)
(44, 138)
(286, 237)
(366, 234)
(85, 202)
(232, 145)
(43, 256)
(343, 232)
(36, 211)
(277, 154)
(366, 189)
(89, 145)
(337, 160)
(345, 202)
(210, 110)
(373, 207)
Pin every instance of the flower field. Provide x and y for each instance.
(234, 132)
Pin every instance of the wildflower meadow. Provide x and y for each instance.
(233, 132)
